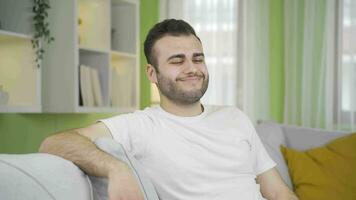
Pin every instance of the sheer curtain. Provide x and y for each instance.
(253, 55)
(235, 39)
(319, 87)
(346, 79)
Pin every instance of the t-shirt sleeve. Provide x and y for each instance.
(263, 161)
(130, 130)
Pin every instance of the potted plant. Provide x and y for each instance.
(41, 28)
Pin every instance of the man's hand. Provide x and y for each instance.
(123, 186)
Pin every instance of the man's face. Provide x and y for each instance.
(182, 75)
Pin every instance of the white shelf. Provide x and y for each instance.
(132, 2)
(103, 51)
(16, 17)
(5, 34)
(20, 109)
(20, 77)
(94, 30)
(124, 21)
(90, 43)
(123, 54)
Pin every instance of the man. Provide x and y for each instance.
(189, 150)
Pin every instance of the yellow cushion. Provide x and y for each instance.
(327, 172)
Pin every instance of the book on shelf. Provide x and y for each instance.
(83, 90)
(98, 97)
(90, 88)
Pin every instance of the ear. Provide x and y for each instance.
(151, 73)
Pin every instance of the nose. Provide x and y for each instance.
(190, 67)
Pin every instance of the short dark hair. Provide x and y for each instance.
(171, 27)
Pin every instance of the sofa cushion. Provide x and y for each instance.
(325, 172)
(41, 176)
(272, 137)
(304, 138)
(100, 185)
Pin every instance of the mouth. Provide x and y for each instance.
(191, 78)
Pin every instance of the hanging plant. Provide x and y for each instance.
(41, 28)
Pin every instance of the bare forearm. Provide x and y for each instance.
(83, 152)
(79, 149)
(273, 187)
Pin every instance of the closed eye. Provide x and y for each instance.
(176, 61)
(198, 59)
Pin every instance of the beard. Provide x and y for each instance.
(177, 94)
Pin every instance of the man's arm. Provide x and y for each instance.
(273, 187)
(77, 146)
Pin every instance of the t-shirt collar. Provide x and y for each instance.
(180, 118)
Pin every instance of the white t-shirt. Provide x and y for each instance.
(215, 155)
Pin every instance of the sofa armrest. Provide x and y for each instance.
(42, 176)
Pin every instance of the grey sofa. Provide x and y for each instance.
(274, 135)
(43, 176)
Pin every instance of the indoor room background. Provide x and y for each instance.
(279, 60)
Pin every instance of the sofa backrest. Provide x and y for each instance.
(273, 135)
(301, 138)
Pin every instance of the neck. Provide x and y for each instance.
(189, 110)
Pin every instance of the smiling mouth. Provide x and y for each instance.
(191, 78)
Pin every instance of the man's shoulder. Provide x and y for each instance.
(135, 116)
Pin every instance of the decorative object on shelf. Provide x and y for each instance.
(113, 38)
(4, 96)
(80, 22)
(41, 26)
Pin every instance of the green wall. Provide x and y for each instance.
(276, 61)
(150, 16)
(23, 133)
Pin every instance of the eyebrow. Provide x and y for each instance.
(198, 54)
(183, 56)
(176, 56)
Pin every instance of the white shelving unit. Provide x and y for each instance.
(20, 77)
(102, 35)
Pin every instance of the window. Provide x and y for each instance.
(215, 22)
(347, 64)
(348, 61)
